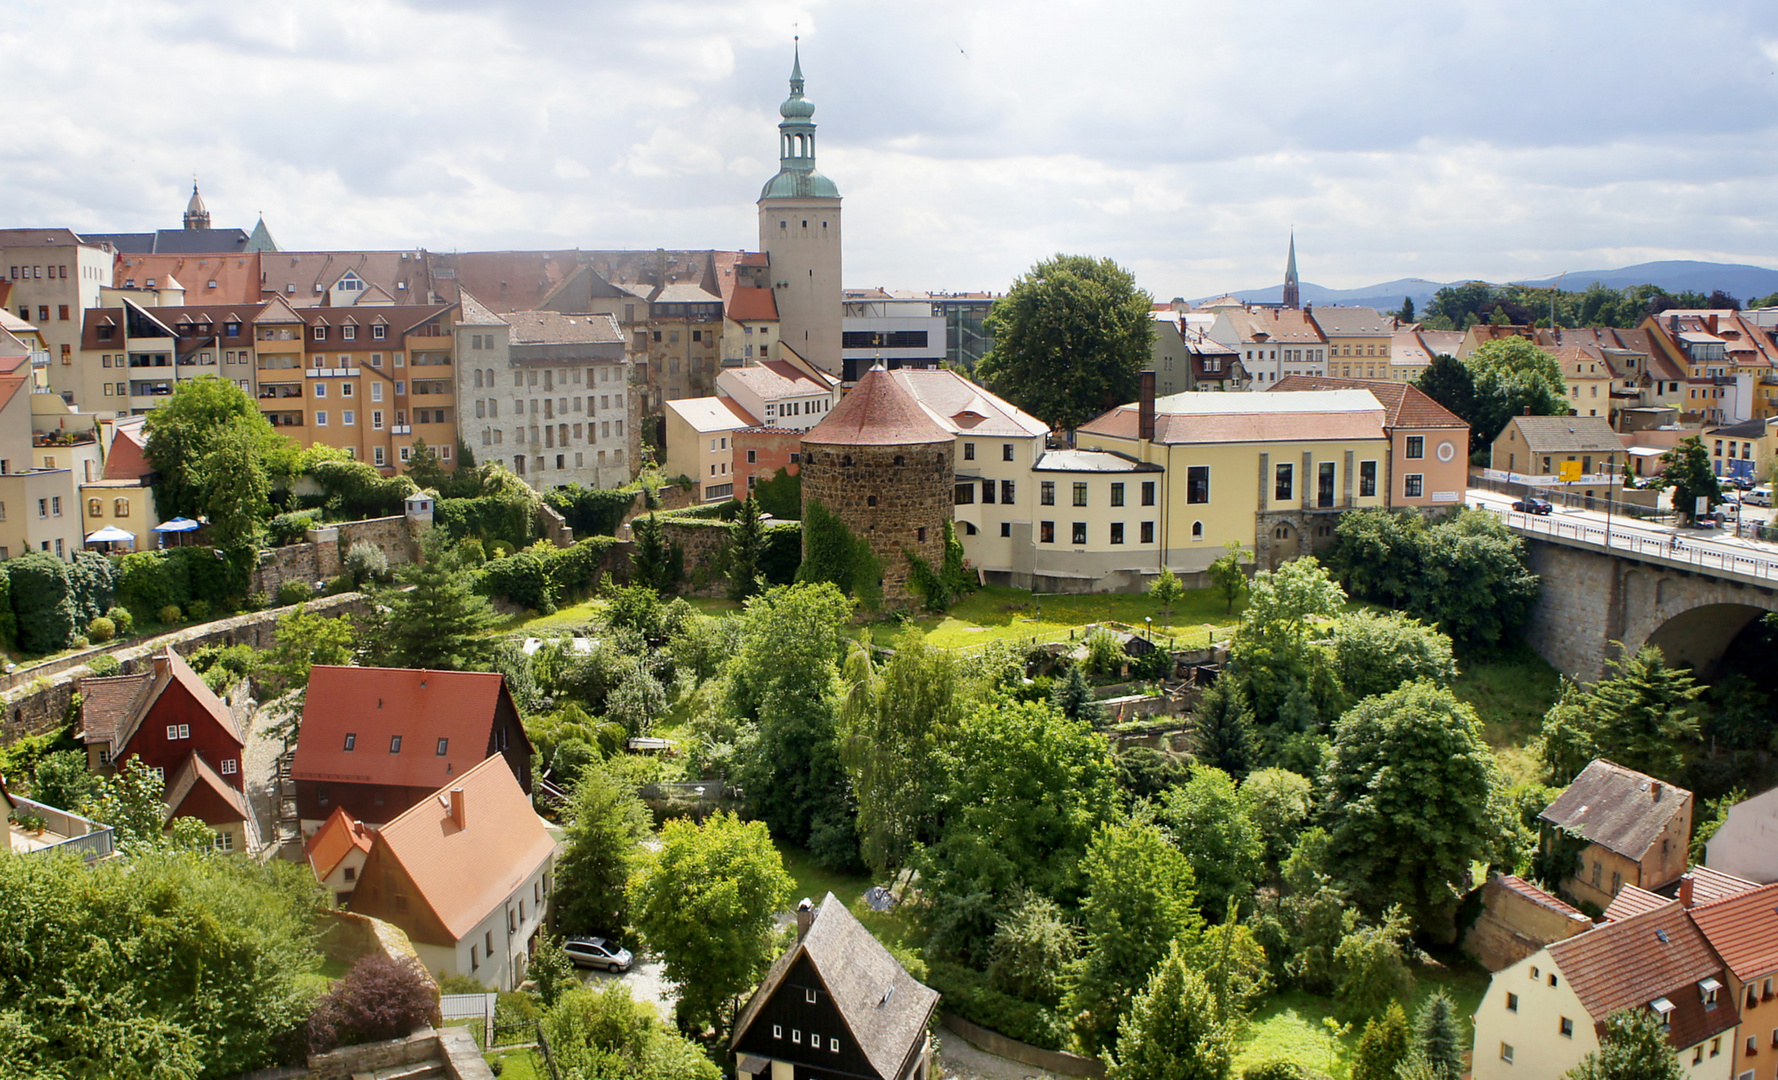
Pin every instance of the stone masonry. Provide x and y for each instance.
(896, 498)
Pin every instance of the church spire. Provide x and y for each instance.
(197, 216)
(1292, 291)
(796, 145)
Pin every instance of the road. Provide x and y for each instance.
(1707, 549)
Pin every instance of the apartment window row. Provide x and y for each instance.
(1046, 532)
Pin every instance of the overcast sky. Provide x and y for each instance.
(970, 138)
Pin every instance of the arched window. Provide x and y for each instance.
(1197, 530)
(478, 378)
(120, 508)
(95, 508)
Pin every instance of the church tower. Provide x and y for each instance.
(799, 231)
(196, 216)
(1293, 297)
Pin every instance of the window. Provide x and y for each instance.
(1080, 493)
(1006, 492)
(1512, 1002)
(230, 766)
(987, 491)
(1412, 486)
(1506, 1053)
(1148, 532)
(777, 1031)
(225, 841)
(1197, 484)
(1282, 484)
(796, 1035)
(443, 746)
(1117, 494)
(1117, 532)
(351, 740)
(965, 494)
(1046, 493)
(395, 744)
(808, 996)
(473, 962)
(968, 451)
(1567, 1028)
(349, 417)
(178, 731)
(321, 418)
(1006, 451)
(377, 333)
(1080, 533)
(1006, 528)
(120, 508)
(1148, 493)
(55, 506)
(1716, 1046)
(1046, 532)
(1416, 446)
(1367, 479)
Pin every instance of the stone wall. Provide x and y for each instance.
(701, 540)
(323, 556)
(993, 1042)
(36, 699)
(553, 527)
(895, 498)
(452, 1048)
(1513, 925)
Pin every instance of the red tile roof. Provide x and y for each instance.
(464, 872)
(334, 840)
(380, 704)
(1709, 886)
(112, 709)
(1628, 964)
(1531, 892)
(752, 304)
(1631, 900)
(878, 411)
(1744, 931)
(236, 276)
(1403, 405)
(128, 457)
(195, 774)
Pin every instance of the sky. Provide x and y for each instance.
(1184, 139)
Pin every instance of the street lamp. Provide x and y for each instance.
(1149, 631)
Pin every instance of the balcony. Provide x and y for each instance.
(327, 372)
(401, 429)
(63, 438)
(57, 831)
(276, 391)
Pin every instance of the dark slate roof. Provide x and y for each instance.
(1617, 808)
(1546, 434)
(1746, 429)
(174, 241)
(883, 1007)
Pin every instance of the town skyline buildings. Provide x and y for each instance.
(969, 143)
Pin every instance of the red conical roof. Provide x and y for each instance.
(879, 411)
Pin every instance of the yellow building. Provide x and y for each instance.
(1360, 341)
(1589, 378)
(1271, 471)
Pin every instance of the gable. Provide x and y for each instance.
(787, 1021)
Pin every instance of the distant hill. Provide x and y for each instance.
(1737, 279)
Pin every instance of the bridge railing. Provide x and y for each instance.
(1679, 551)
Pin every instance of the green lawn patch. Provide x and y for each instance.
(998, 613)
(815, 882)
(572, 617)
(519, 1064)
(1510, 692)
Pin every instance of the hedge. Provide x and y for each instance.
(359, 491)
(541, 577)
(592, 511)
(511, 518)
(150, 581)
(967, 993)
(41, 602)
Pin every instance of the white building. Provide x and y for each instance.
(901, 329)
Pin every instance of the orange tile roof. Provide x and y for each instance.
(380, 704)
(464, 872)
(1631, 900)
(751, 303)
(1627, 964)
(1709, 886)
(127, 459)
(878, 411)
(1743, 930)
(235, 276)
(1531, 892)
(334, 840)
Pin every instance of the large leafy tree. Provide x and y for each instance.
(439, 623)
(1634, 1047)
(706, 900)
(202, 414)
(1376, 652)
(1070, 340)
(236, 485)
(1447, 381)
(1511, 376)
(1687, 468)
(606, 825)
(1172, 1031)
(1141, 898)
(1413, 799)
(1278, 653)
(600, 1031)
(1474, 580)
(1210, 825)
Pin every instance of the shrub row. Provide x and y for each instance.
(196, 580)
(542, 575)
(967, 993)
(511, 518)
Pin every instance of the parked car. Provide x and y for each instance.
(1730, 495)
(1737, 483)
(596, 952)
(1532, 505)
(1759, 496)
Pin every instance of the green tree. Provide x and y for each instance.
(652, 559)
(235, 484)
(1646, 714)
(424, 469)
(606, 823)
(1511, 376)
(1140, 899)
(1166, 591)
(1172, 1031)
(1413, 798)
(1034, 949)
(1278, 654)
(1633, 1047)
(1383, 1046)
(1226, 572)
(201, 414)
(1278, 802)
(1447, 381)
(706, 901)
(1073, 697)
(1473, 580)
(1569, 736)
(1406, 312)
(1210, 825)
(1070, 339)
(62, 780)
(440, 621)
(42, 601)
(1222, 733)
(130, 802)
(1371, 967)
(601, 1033)
(1715, 816)
(1436, 1052)
(302, 640)
(747, 541)
(551, 969)
(637, 700)
(1376, 652)
(1687, 468)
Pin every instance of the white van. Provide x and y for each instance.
(1759, 496)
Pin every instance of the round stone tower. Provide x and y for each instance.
(881, 464)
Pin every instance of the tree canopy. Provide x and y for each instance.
(1070, 339)
(205, 415)
(1512, 375)
(1687, 468)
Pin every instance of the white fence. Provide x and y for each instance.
(1695, 553)
(470, 1006)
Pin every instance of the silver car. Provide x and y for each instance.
(596, 952)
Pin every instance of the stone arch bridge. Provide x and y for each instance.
(1601, 602)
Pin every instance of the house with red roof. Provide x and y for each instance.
(466, 872)
(1743, 929)
(336, 854)
(170, 721)
(376, 741)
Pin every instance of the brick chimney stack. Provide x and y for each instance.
(1685, 890)
(1145, 406)
(459, 812)
(805, 918)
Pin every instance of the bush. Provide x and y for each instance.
(366, 563)
(337, 585)
(104, 666)
(9, 629)
(170, 615)
(199, 610)
(80, 641)
(101, 630)
(1281, 1070)
(292, 528)
(380, 998)
(295, 592)
(510, 518)
(522, 578)
(149, 582)
(122, 619)
(92, 584)
(967, 993)
(41, 602)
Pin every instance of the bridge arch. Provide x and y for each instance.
(1698, 636)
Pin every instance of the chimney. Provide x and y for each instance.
(805, 918)
(1673, 323)
(458, 811)
(1685, 890)
(163, 662)
(1654, 790)
(1145, 406)
(1710, 321)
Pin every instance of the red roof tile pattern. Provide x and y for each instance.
(1631, 901)
(465, 871)
(1744, 931)
(1404, 405)
(378, 705)
(1627, 964)
(1619, 809)
(112, 709)
(334, 840)
(752, 304)
(207, 278)
(878, 411)
(1709, 886)
(1531, 892)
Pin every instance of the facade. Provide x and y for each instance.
(1589, 378)
(799, 231)
(788, 394)
(170, 721)
(1409, 356)
(896, 329)
(1747, 843)
(39, 508)
(1271, 471)
(1541, 1016)
(137, 349)
(966, 334)
(1359, 341)
(336, 854)
(1743, 929)
(700, 442)
(885, 466)
(1214, 366)
(1637, 830)
(1428, 463)
(1744, 451)
(467, 872)
(375, 741)
(760, 452)
(1272, 343)
(1169, 358)
(55, 276)
(1517, 919)
(1538, 447)
(836, 1003)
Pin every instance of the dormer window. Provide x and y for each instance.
(1708, 990)
(395, 744)
(1663, 1009)
(320, 333)
(351, 740)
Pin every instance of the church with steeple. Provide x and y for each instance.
(1293, 296)
(799, 232)
(196, 236)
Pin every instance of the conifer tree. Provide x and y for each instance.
(1383, 1046)
(747, 540)
(440, 622)
(1436, 1052)
(1073, 697)
(1222, 728)
(1171, 1031)
(1646, 713)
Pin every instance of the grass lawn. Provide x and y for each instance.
(519, 1065)
(1289, 1025)
(815, 882)
(571, 617)
(996, 613)
(1510, 692)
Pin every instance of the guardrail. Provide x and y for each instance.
(1691, 553)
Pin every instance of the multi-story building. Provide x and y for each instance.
(789, 394)
(55, 276)
(966, 334)
(1272, 343)
(1169, 358)
(133, 354)
(1743, 929)
(1589, 378)
(1428, 463)
(1409, 356)
(1637, 831)
(896, 329)
(1359, 340)
(701, 436)
(799, 231)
